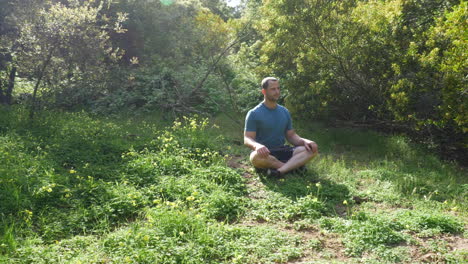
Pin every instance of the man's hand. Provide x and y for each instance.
(262, 150)
(310, 145)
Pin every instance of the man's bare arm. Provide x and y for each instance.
(249, 141)
(296, 140)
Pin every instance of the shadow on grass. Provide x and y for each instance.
(409, 168)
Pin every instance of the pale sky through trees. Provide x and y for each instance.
(233, 3)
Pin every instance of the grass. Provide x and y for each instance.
(78, 188)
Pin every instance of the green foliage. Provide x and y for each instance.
(66, 178)
(225, 206)
(278, 207)
(172, 55)
(421, 221)
(365, 233)
(22, 174)
(400, 62)
(60, 44)
(162, 192)
(170, 236)
(225, 177)
(163, 88)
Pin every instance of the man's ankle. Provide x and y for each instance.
(274, 173)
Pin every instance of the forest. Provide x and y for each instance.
(121, 131)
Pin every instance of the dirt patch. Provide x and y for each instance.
(424, 252)
(316, 245)
(255, 188)
(458, 243)
(235, 162)
(320, 246)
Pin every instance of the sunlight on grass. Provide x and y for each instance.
(79, 188)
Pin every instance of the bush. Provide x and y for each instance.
(223, 206)
(21, 175)
(365, 233)
(363, 236)
(228, 178)
(421, 221)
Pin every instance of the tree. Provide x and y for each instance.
(171, 58)
(8, 46)
(61, 43)
(396, 64)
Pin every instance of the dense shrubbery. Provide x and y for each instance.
(394, 64)
(178, 179)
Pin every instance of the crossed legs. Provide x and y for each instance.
(299, 158)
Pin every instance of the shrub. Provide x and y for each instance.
(22, 173)
(223, 206)
(421, 221)
(123, 201)
(308, 207)
(366, 234)
(229, 179)
(146, 167)
(362, 236)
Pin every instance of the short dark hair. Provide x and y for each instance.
(266, 81)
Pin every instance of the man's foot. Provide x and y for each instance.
(273, 173)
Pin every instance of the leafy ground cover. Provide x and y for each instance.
(77, 188)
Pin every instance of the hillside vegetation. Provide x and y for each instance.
(121, 131)
(385, 64)
(82, 188)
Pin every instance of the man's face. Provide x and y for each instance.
(272, 93)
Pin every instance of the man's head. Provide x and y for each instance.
(270, 89)
(266, 81)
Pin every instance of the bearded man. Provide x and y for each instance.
(267, 126)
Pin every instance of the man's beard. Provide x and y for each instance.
(272, 98)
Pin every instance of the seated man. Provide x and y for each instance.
(266, 127)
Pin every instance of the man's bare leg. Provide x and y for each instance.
(265, 162)
(300, 157)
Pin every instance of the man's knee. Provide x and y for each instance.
(263, 162)
(309, 154)
(253, 156)
(256, 159)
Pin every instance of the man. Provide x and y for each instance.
(267, 126)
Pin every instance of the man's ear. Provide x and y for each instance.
(263, 91)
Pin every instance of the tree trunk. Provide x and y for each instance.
(33, 101)
(36, 87)
(11, 85)
(228, 88)
(2, 96)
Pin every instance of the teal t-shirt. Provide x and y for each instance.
(270, 125)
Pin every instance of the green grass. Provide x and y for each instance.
(79, 188)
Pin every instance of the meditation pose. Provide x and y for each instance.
(267, 127)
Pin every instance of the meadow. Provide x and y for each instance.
(81, 188)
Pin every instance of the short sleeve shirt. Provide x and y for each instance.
(270, 125)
